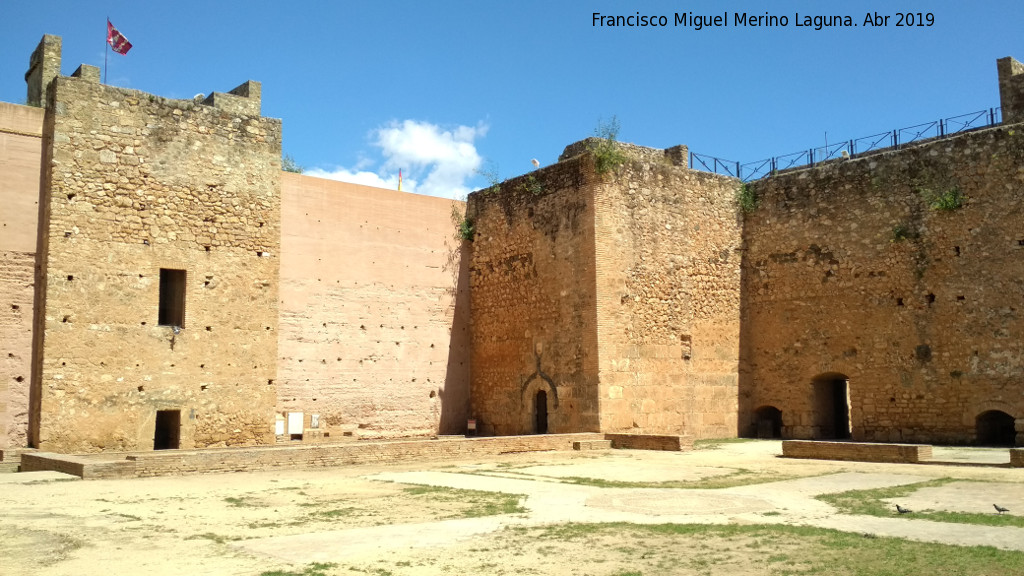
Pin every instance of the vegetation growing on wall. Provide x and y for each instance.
(608, 156)
(947, 200)
(747, 198)
(463, 224)
(288, 164)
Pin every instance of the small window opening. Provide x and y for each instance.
(172, 297)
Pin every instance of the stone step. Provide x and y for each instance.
(9, 467)
(592, 445)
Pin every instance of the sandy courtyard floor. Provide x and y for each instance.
(414, 519)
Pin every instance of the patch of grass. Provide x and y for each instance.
(208, 536)
(481, 503)
(794, 550)
(314, 569)
(871, 503)
(130, 517)
(715, 443)
(238, 502)
(740, 477)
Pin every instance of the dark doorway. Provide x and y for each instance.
(168, 430)
(995, 428)
(832, 405)
(540, 413)
(769, 422)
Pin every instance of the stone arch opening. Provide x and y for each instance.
(831, 405)
(768, 420)
(540, 412)
(995, 428)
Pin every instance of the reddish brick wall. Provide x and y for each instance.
(20, 154)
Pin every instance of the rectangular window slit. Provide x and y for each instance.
(172, 297)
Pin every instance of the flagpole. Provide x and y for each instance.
(106, 50)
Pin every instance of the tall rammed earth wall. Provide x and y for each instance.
(135, 183)
(851, 270)
(374, 328)
(668, 306)
(532, 302)
(21, 142)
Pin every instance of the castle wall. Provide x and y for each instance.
(852, 273)
(668, 305)
(137, 184)
(374, 310)
(533, 304)
(20, 152)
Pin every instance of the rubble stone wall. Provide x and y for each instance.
(668, 306)
(534, 334)
(135, 184)
(902, 272)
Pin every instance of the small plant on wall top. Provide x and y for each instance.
(532, 185)
(608, 156)
(288, 164)
(747, 198)
(493, 180)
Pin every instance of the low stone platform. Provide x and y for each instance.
(650, 442)
(857, 451)
(305, 456)
(1017, 457)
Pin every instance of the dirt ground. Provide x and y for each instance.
(386, 520)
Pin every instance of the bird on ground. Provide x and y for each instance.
(902, 510)
(1000, 509)
(535, 162)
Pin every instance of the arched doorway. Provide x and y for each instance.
(995, 428)
(540, 412)
(769, 422)
(831, 404)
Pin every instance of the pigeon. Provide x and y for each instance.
(902, 510)
(1000, 509)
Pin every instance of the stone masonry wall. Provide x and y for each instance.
(138, 183)
(374, 333)
(668, 302)
(20, 152)
(852, 272)
(533, 301)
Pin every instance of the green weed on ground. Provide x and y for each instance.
(793, 550)
(482, 503)
(871, 503)
(314, 569)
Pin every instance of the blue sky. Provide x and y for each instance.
(447, 90)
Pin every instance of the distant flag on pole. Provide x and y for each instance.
(399, 179)
(117, 41)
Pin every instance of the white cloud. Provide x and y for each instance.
(433, 160)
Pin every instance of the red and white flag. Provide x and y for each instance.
(117, 41)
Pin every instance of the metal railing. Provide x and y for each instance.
(892, 139)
